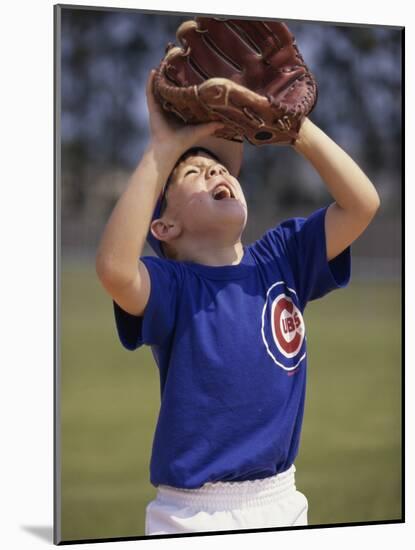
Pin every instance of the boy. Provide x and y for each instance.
(225, 321)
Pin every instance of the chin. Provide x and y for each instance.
(236, 216)
(232, 223)
(230, 218)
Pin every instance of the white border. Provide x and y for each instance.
(26, 270)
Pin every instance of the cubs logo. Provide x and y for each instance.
(283, 330)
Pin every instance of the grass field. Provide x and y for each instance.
(349, 465)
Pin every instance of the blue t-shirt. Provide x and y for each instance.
(230, 346)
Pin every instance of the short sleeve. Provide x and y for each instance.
(303, 243)
(157, 324)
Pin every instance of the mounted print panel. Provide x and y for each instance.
(228, 345)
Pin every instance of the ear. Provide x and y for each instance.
(165, 230)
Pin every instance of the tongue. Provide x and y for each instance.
(224, 194)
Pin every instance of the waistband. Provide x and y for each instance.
(228, 495)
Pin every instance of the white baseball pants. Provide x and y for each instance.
(221, 506)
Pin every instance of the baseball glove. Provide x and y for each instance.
(247, 74)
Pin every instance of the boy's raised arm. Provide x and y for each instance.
(117, 262)
(122, 275)
(356, 199)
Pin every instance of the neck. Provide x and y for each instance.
(214, 255)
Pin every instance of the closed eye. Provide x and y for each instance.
(222, 168)
(195, 170)
(190, 171)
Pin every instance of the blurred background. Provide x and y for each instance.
(349, 465)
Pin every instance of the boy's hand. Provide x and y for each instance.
(168, 136)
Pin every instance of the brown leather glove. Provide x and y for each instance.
(247, 74)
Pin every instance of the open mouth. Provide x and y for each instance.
(222, 192)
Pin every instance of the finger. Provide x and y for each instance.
(193, 133)
(151, 100)
(204, 130)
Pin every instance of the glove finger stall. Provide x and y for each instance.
(204, 55)
(178, 70)
(265, 36)
(229, 41)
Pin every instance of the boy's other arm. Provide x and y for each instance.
(356, 199)
(118, 267)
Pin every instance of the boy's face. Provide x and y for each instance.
(205, 200)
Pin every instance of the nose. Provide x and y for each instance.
(215, 170)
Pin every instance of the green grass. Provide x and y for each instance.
(349, 465)
(350, 459)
